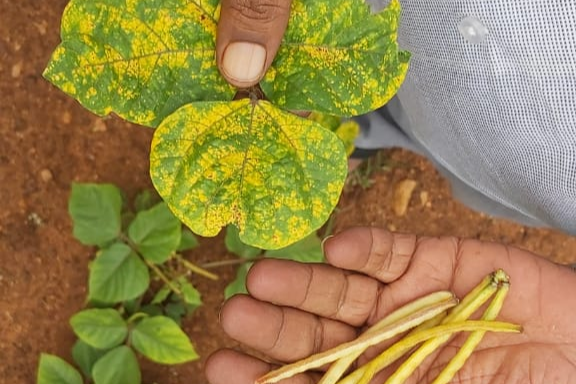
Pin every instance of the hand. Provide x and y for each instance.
(248, 37)
(296, 310)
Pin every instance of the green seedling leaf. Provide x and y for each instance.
(86, 356)
(132, 306)
(238, 285)
(152, 310)
(161, 340)
(99, 328)
(140, 59)
(176, 311)
(118, 366)
(349, 66)
(54, 370)
(161, 295)
(236, 246)
(274, 175)
(145, 200)
(187, 241)
(307, 250)
(117, 275)
(156, 232)
(95, 211)
(190, 294)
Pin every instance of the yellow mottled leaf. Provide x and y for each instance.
(141, 59)
(274, 175)
(337, 57)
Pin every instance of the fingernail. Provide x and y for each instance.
(243, 61)
(324, 241)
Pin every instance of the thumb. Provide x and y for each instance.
(249, 35)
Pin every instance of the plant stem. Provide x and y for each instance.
(163, 277)
(194, 268)
(227, 263)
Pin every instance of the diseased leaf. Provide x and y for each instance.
(86, 356)
(117, 274)
(346, 130)
(161, 340)
(99, 328)
(140, 58)
(238, 285)
(274, 175)
(118, 366)
(236, 246)
(307, 250)
(348, 66)
(95, 211)
(156, 232)
(54, 370)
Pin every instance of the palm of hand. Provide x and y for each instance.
(298, 310)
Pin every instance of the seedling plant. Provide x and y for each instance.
(138, 289)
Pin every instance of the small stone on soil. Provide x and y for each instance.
(46, 175)
(99, 126)
(402, 195)
(17, 69)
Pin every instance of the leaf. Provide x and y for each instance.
(274, 175)
(236, 246)
(238, 285)
(140, 59)
(161, 340)
(54, 370)
(156, 232)
(99, 328)
(95, 211)
(347, 130)
(86, 356)
(145, 200)
(190, 294)
(117, 275)
(119, 366)
(307, 250)
(161, 295)
(187, 241)
(346, 67)
(176, 311)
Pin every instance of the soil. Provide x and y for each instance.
(48, 141)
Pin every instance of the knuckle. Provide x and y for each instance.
(259, 10)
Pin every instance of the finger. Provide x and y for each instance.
(248, 37)
(227, 366)
(372, 251)
(316, 288)
(284, 334)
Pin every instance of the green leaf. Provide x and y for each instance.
(152, 310)
(117, 275)
(190, 294)
(348, 66)
(236, 246)
(161, 295)
(118, 366)
(238, 285)
(176, 311)
(187, 241)
(95, 211)
(156, 232)
(54, 370)
(140, 59)
(161, 340)
(86, 356)
(308, 250)
(274, 175)
(145, 200)
(99, 328)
